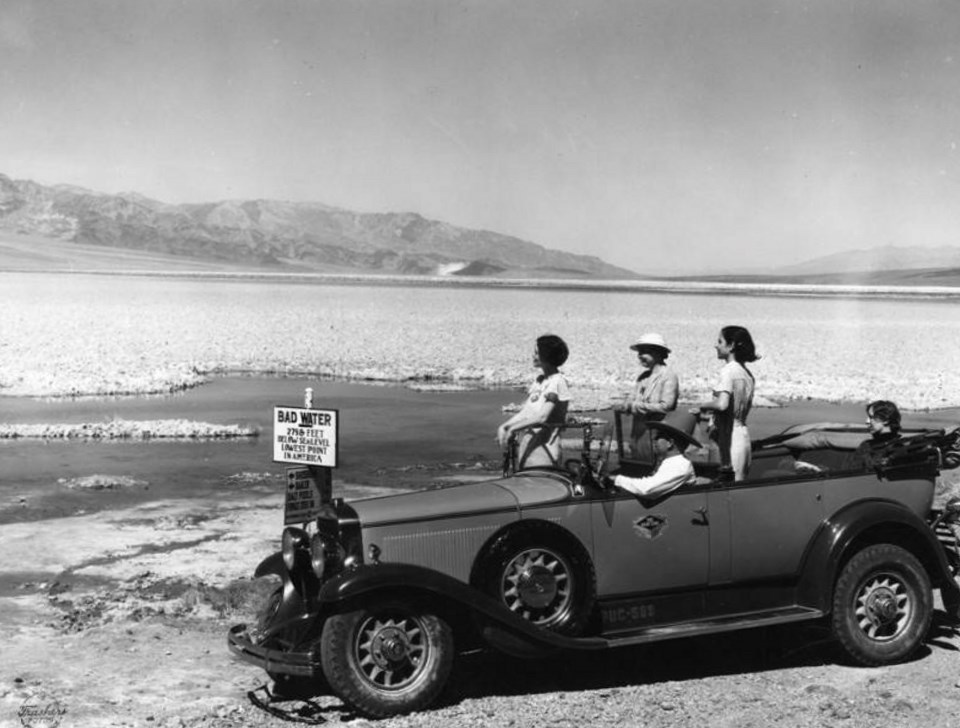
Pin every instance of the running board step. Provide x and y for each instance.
(713, 626)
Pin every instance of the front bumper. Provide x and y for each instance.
(273, 661)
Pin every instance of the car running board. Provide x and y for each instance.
(526, 645)
(746, 620)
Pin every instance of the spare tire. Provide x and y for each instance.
(542, 573)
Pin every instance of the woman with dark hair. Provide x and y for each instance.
(732, 399)
(654, 393)
(547, 401)
(883, 422)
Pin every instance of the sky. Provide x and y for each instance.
(664, 136)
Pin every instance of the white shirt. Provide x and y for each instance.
(673, 472)
(739, 384)
(549, 389)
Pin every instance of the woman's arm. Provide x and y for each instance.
(721, 395)
(719, 403)
(531, 414)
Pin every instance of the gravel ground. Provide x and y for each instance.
(786, 677)
(128, 627)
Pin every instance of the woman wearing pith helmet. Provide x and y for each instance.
(654, 393)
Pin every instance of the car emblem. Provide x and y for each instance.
(650, 527)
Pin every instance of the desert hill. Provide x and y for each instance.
(882, 260)
(276, 235)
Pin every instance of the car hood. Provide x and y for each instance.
(507, 494)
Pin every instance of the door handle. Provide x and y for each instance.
(701, 518)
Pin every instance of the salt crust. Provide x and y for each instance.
(119, 337)
(119, 429)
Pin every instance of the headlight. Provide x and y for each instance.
(325, 555)
(293, 539)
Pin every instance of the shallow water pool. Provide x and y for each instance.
(390, 436)
(383, 432)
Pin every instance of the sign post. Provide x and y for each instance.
(304, 436)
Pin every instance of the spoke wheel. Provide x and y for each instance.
(882, 605)
(540, 573)
(536, 584)
(388, 659)
(391, 652)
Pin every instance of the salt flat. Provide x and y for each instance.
(67, 335)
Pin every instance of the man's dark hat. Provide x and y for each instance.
(679, 426)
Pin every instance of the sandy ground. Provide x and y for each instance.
(121, 636)
(121, 615)
(119, 618)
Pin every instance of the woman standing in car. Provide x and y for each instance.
(732, 399)
(654, 393)
(547, 401)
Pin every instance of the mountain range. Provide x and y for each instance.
(882, 266)
(47, 227)
(280, 235)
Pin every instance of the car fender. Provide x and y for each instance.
(830, 547)
(501, 627)
(273, 564)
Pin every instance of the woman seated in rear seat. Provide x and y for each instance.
(883, 421)
(852, 451)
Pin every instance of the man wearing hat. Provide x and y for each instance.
(654, 393)
(671, 437)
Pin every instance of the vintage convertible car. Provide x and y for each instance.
(378, 596)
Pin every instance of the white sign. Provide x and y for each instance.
(305, 436)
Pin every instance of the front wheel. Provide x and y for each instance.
(882, 605)
(387, 660)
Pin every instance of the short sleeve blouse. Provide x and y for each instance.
(738, 383)
(552, 389)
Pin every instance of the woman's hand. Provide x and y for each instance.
(503, 436)
(696, 411)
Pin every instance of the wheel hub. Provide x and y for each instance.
(537, 587)
(390, 647)
(882, 607)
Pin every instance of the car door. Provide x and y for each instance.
(651, 546)
(770, 526)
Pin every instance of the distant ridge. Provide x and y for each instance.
(277, 235)
(886, 266)
(888, 258)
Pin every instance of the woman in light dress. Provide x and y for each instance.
(545, 409)
(732, 400)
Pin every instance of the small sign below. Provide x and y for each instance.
(305, 436)
(307, 490)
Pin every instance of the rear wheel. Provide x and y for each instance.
(882, 605)
(389, 659)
